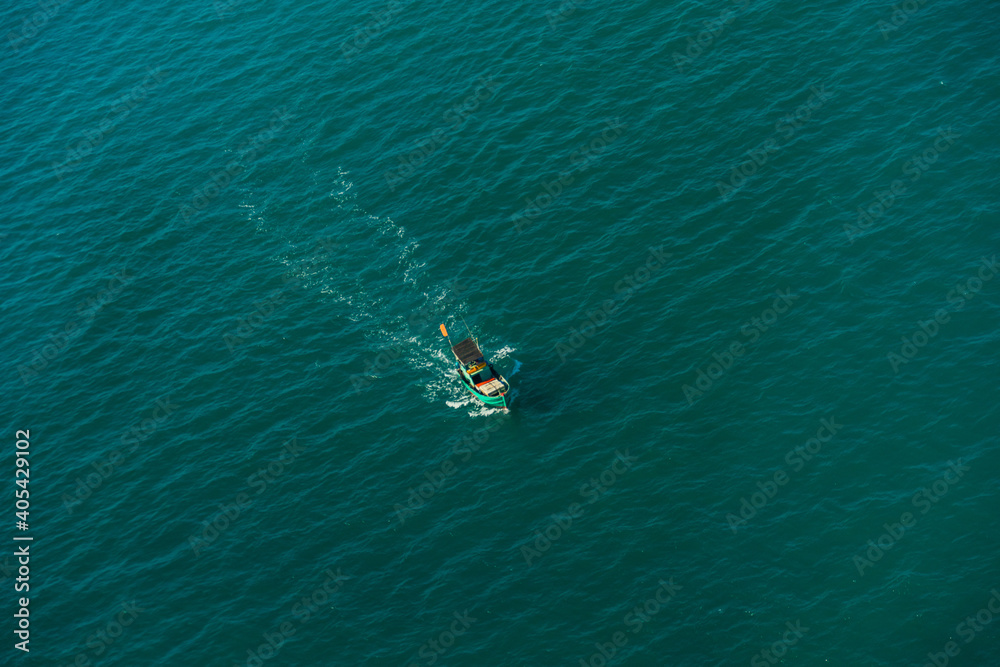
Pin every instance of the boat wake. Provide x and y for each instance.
(371, 268)
(446, 387)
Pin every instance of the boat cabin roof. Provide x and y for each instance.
(467, 351)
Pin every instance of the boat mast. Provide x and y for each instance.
(469, 331)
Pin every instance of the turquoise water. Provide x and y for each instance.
(737, 260)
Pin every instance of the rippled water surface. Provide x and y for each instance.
(737, 260)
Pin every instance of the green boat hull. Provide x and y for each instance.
(475, 372)
(500, 400)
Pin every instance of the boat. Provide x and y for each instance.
(478, 376)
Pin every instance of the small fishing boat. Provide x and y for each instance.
(478, 375)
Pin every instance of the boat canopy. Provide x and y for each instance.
(467, 351)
